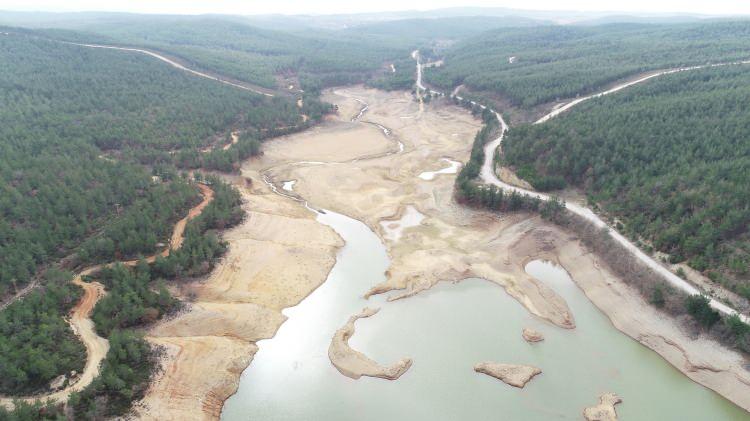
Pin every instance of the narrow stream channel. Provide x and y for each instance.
(446, 331)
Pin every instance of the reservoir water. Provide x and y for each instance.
(447, 330)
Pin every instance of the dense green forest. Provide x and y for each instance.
(732, 331)
(274, 56)
(558, 62)
(437, 31)
(131, 299)
(69, 109)
(124, 377)
(202, 245)
(259, 56)
(138, 230)
(113, 99)
(469, 191)
(138, 296)
(36, 343)
(400, 79)
(91, 142)
(670, 158)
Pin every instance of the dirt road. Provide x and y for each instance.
(451, 242)
(173, 63)
(80, 316)
(567, 106)
(488, 176)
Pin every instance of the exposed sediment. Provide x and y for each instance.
(531, 335)
(280, 254)
(276, 257)
(514, 375)
(355, 364)
(605, 410)
(703, 360)
(452, 242)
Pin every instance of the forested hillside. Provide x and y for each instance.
(426, 35)
(76, 128)
(441, 30)
(260, 56)
(66, 109)
(101, 152)
(277, 55)
(36, 343)
(558, 62)
(670, 158)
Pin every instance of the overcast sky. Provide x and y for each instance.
(249, 7)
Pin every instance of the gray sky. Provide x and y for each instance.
(248, 7)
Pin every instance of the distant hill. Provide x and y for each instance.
(445, 28)
(265, 57)
(667, 19)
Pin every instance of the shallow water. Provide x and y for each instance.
(395, 229)
(452, 168)
(289, 185)
(447, 330)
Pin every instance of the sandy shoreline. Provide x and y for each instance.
(280, 254)
(510, 374)
(276, 257)
(703, 360)
(605, 410)
(441, 242)
(355, 364)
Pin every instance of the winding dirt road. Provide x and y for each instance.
(488, 176)
(82, 325)
(173, 63)
(80, 317)
(20, 294)
(563, 108)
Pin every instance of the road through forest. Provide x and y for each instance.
(488, 176)
(80, 317)
(173, 63)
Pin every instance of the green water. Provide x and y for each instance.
(446, 331)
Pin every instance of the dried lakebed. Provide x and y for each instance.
(448, 328)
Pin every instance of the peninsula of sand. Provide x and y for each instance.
(370, 169)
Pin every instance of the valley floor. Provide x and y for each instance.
(280, 254)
